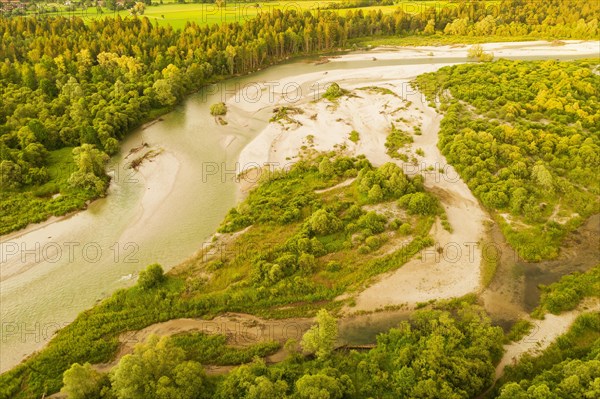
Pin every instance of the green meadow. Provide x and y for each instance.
(178, 14)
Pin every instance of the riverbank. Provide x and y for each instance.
(535, 48)
(543, 333)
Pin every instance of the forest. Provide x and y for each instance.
(524, 137)
(71, 86)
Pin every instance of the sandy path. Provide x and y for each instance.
(543, 333)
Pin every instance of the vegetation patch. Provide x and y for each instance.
(285, 114)
(525, 146)
(147, 156)
(379, 90)
(476, 53)
(519, 330)
(395, 140)
(214, 350)
(218, 109)
(334, 91)
(71, 178)
(568, 292)
(568, 363)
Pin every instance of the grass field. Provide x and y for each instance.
(176, 14)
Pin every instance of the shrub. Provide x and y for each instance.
(476, 52)
(396, 223)
(405, 229)
(322, 222)
(372, 221)
(151, 277)
(333, 266)
(373, 242)
(419, 204)
(333, 91)
(81, 382)
(326, 167)
(307, 263)
(218, 109)
(375, 194)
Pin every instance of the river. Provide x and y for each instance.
(164, 213)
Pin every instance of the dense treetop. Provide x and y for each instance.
(524, 137)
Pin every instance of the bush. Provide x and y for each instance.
(372, 221)
(306, 263)
(333, 266)
(353, 213)
(82, 382)
(375, 194)
(322, 222)
(333, 91)
(405, 229)
(151, 277)
(396, 223)
(218, 109)
(373, 242)
(476, 52)
(419, 204)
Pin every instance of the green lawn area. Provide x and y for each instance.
(18, 208)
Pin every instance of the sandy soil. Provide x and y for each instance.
(451, 267)
(500, 50)
(543, 333)
(159, 175)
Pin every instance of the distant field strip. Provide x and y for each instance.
(177, 15)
